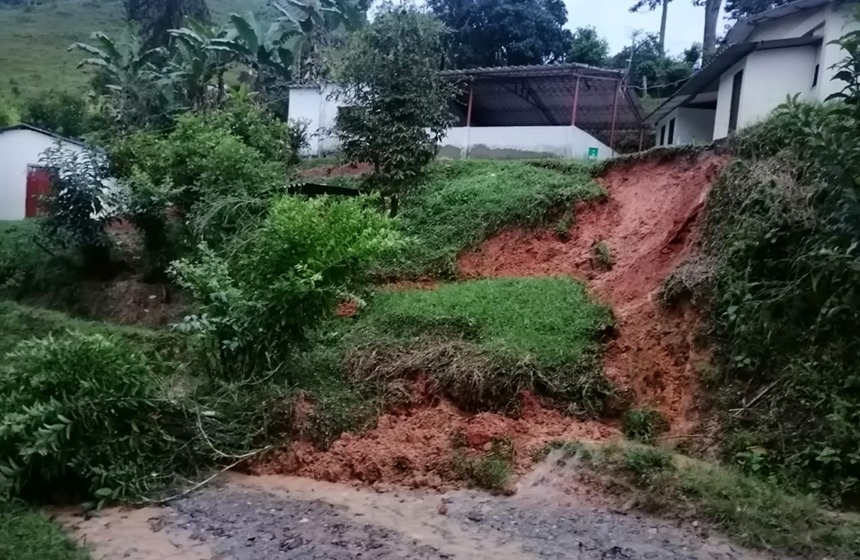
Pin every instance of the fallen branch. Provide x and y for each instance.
(739, 411)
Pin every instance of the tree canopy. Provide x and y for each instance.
(396, 105)
(503, 32)
(651, 72)
(587, 47)
(155, 18)
(742, 8)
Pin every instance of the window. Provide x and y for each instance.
(663, 135)
(737, 84)
(815, 76)
(671, 132)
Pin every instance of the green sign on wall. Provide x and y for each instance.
(592, 154)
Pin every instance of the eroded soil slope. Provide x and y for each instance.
(648, 221)
(649, 225)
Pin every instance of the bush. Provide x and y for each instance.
(491, 471)
(60, 112)
(301, 258)
(643, 424)
(79, 207)
(28, 267)
(84, 408)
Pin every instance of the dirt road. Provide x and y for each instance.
(283, 518)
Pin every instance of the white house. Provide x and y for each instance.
(22, 180)
(765, 58)
(567, 110)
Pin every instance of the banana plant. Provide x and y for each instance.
(195, 64)
(260, 47)
(315, 25)
(128, 75)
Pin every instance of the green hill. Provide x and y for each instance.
(34, 42)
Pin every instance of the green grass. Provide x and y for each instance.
(33, 44)
(644, 424)
(460, 204)
(21, 322)
(26, 534)
(550, 321)
(753, 512)
(484, 342)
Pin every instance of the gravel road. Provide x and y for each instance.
(282, 518)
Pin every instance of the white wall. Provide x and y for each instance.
(839, 21)
(18, 149)
(770, 76)
(317, 106)
(521, 142)
(694, 126)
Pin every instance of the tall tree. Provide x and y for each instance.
(652, 5)
(397, 103)
(155, 18)
(503, 32)
(742, 8)
(712, 18)
(587, 47)
(652, 73)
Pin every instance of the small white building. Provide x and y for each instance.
(556, 110)
(23, 181)
(766, 58)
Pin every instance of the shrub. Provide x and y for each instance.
(80, 407)
(301, 258)
(491, 471)
(79, 207)
(603, 256)
(644, 424)
(28, 267)
(60, 112)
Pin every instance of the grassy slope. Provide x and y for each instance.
(33, 45)
(753, 512)
(26, 534)
(460, 204)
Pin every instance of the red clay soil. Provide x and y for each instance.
(649, 224)
(414, 447)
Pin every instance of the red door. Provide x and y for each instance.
(38, 187)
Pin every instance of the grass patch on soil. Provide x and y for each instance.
(753, 512)
(491, 471)
(460, 204)
(484, 342)
(26, 534)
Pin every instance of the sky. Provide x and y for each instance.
(614, 21)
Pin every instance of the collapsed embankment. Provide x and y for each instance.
(648, 223)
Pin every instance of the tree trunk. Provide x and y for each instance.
(712, 18)
(663, 22)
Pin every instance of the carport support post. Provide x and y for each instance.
(575, 102)
(614, 116)
(469, 120)
(641, 138)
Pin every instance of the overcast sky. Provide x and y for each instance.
(614, 21)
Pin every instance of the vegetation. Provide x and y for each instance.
(754, 512)
(398, 103)
(29, 268)
(459, 204)
(491, 471)
(302, 257)
(644, 425)
(603, 256)
(485, 342)
(26, 534)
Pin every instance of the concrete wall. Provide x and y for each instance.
(18, 150)
(510, 142)
(317, 106)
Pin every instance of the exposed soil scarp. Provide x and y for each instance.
(649, 224)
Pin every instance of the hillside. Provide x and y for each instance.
(34, 43)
